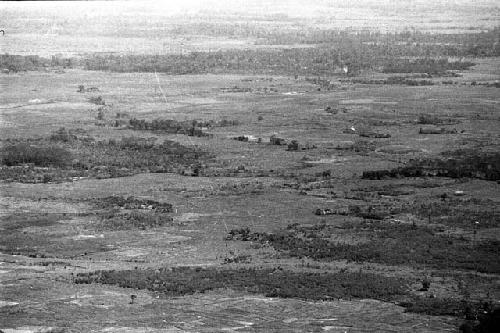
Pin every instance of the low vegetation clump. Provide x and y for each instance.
(16, 63)
(400, 80)
(425, 65)
(391, 244)
(126, 213)
(136, 219)
(430, 119)
(133, 203)
(482, 165)
(67, 154)
(42, 156)
(488, 321)
(181, 281)
(70, 135)
(447, 307)
(97, 100)
(190, 128)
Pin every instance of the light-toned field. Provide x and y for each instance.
(129, 27)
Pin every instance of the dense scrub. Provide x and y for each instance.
(68, 154)
(16, 63)
(430, 119)
(43, 156)
(482, 165)
(333, 49)
(190, 128)
(133, 203)
(142, 220)
(392, 244)
(425, 65)
(335, 52)
(126, 213)
(447, 307)
(301, 61)
(180, 281)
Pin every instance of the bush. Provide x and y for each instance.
(428, 119)
(40, 156)
(62, 135)
(97, 100)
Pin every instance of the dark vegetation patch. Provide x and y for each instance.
(375, 135)
(430, 119)
(127, 213)
(69, 135)
(436, 130)
(378, 211)
(488, 321)
(42, 156)
(133, 203)
(137, 219)
(334, 51)
(32, 174)
(97, 100)
(425, 65)
(270, 282)
(190, 128)
(400, 80)
(403, 43)
(466, 164)
(471, 310)
(448, 208)
(343, 58)
(67, 154)
(389, 243)
(480, 316)
(16, 63)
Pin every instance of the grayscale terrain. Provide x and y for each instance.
(250, 166)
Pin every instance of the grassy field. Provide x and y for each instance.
(53, 230)
(147, 202)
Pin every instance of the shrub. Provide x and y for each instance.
(63, 135)
(40, 156)
(98, 100)
(428, 119)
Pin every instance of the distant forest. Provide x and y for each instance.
(405, 52)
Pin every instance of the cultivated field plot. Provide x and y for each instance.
(243, 194)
